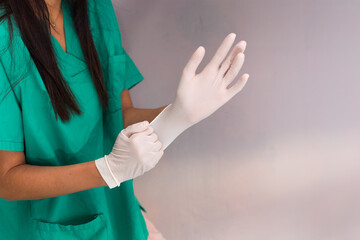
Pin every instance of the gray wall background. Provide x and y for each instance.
(281, 159)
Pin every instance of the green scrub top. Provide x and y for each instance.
(27, 123)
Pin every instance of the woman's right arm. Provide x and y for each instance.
(135, 151)
(21, 181)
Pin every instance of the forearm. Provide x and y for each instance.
(134, 115)
(29, 182)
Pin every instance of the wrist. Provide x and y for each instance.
(170, 123)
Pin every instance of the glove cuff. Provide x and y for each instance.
(169, 124)
(102, 166)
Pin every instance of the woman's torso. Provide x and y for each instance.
(98, 213)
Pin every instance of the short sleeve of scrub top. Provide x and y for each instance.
(28, 123)
(11, 129)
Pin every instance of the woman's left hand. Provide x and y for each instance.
(200, 95)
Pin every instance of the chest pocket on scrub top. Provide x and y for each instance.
(93, 229)
(116, 77)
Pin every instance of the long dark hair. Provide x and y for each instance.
(32, 18)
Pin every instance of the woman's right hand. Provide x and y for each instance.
(200, 94)
(136, 151)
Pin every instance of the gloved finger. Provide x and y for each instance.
(149, 146)
(151, 138)
(144, 133)
(154, 146)
(222, 51)
(194, 62)
(239, 47)
(238, 86)
(134, 128)
(234, 68)
(242, 45)
(149, 131)
(157, 146)
(141, 136)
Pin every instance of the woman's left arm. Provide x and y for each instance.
(133, 115)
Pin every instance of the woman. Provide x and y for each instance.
(66, 109)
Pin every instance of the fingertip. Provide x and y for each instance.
(241, 54)
(201, 50)
(245, 78)
(144, 125)
(124, 133)
(150, 130)
(242, 44)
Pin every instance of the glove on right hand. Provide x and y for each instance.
(136, 151)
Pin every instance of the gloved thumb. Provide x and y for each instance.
(134, 128)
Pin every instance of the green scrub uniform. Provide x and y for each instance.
(27, 123)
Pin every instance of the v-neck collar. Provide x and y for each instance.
(67, 35)
(73, 59)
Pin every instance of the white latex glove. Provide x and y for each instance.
(200, 95)
(136, 151)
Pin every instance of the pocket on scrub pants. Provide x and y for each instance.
(95, 229)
